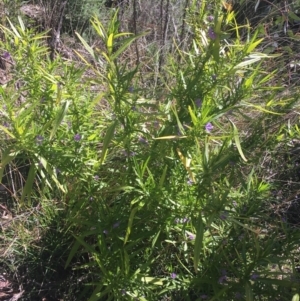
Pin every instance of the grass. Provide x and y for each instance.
(112, 194)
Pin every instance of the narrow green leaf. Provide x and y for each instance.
(242, 225)
(29, 182)
(126, 262)
(96, 296)
(85, 44)
(21, 23)
(170, 137)
(50, 172)
(130, 222)
(237, 141)
(163, 177)
(72, 253)
(59, 117)
(7, 157)
(152, 280)
(155, 239)
(262, 109)
(293, 16)
(253, 45)
(107, 139)
(99, 28)
(4, 129)
(249, 293)
(125, 44)
(109, 43)
(296, 297)
(193, 116)
(198, 242)
(14, 29)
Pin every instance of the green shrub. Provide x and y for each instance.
(165, 198)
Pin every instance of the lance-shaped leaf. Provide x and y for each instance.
(237, 141)
(107, 139)
(198, 241)
(29, 183)
(59, 117)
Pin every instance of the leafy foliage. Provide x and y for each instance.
(156, 199)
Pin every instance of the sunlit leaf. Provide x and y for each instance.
(237, 141)
(59, 117)
(107, 139)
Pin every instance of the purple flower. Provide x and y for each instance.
(39, 139)
(203, 297)
(123, 292)
(241, 237)
(130, 89)
(105, 232)
(133, 108)
(254, 276)
(143, 140)
(6, 55)
(185, 220)
(211, 33)
(224, 216)
(128, 154)
(210, 18)
(96, 177)
(173, 275)
(209, 127)
(5, 124)
(77, 137)
(198, 103)
(182, 221)
(222, 279)
(91, 198)
(116, 225)
(190, 182)
(191, 236)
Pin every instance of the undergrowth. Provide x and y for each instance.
(114, 195)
